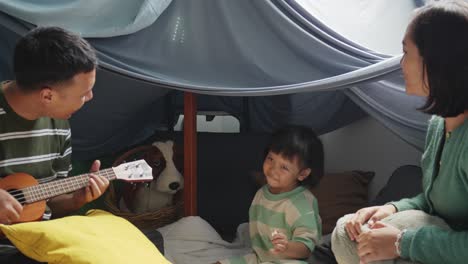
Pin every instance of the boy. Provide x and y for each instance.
(284, 222)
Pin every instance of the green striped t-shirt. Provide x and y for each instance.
(294, 213)
(41, 148)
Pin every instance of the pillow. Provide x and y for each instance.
(339, 194)
(405, 182)
(98, 237)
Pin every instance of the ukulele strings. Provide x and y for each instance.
(20, 197)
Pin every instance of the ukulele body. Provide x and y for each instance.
(16, 181)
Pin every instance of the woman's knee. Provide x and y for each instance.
(340, 228)
(414, 219)
(343, 248)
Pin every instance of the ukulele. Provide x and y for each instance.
(32, 196)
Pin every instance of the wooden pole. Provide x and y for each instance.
(190, 154)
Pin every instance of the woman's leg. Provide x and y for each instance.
(345, 250)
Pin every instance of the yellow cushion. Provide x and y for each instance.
(98, 237)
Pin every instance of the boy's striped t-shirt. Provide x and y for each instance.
(294, 213)
(41, 148)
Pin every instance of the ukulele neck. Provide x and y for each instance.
(51, 189)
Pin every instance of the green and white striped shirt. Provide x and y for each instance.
(293, 213)
(41, 148)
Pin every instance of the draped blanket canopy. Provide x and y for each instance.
(268, 62)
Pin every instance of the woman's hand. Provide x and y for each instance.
(96, 187)
(10, 208)
(378, 243)
(368, 215)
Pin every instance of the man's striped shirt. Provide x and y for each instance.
(41, 148)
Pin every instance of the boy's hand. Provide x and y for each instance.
(279, 241)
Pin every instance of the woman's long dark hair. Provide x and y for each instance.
(440, 32)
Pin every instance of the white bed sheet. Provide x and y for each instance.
(192, 240)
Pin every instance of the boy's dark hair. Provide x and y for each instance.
(50, 55)
(440, 32)
(299, 141)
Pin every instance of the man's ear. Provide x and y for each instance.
(46, 95)
(304, 174)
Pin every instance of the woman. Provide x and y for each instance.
(435, 65)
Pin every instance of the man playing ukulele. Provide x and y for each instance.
(54, 76)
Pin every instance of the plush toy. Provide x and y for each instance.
(167, 178)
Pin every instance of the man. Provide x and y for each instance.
(54, 77)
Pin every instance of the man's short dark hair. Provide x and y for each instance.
(49, 55)
(440, 32)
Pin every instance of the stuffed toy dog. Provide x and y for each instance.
(167, 178)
